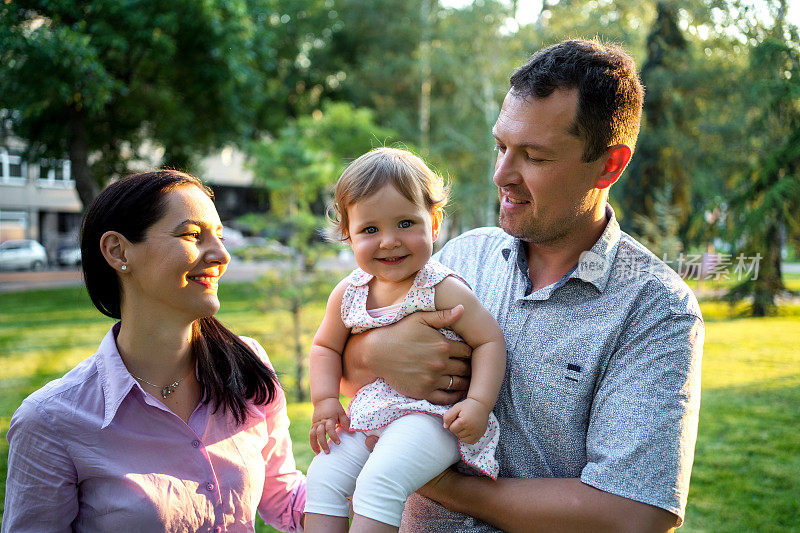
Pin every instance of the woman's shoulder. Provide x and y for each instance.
(77, 389)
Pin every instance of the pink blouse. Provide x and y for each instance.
(94, 451)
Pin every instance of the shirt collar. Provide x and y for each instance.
(115, 379)
(594, 265)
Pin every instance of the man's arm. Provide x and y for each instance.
(640, 442)
(544, 504)
(412, 356)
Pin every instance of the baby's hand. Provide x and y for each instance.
(328, 413)
(467, 420)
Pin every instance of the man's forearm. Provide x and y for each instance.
(545, 504)
(355, 370)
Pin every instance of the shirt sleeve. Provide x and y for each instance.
(283, 498)
(41, 489)
(643, 425)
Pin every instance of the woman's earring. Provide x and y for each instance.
(124, 267)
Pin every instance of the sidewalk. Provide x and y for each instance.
(237, 271)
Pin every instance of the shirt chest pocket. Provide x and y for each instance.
(561, 397)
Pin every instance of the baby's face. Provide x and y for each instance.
(391, 236)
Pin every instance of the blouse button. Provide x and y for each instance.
(195, 443)
(210, 487)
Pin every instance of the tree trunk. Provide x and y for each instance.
(769, 283)
(79, 158)
(425, 75)
(299, 353)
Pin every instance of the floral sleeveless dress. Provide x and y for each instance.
(376, 405)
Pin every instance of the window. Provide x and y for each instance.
(13, 168)
(12, 225)
(55, 173)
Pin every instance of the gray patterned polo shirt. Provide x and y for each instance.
(603, 374)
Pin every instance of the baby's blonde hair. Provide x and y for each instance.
(382, 166)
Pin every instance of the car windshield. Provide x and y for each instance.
(10, 245)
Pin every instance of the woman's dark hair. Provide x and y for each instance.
(230, 373)
(610, 94)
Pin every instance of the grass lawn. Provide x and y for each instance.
(748, 450)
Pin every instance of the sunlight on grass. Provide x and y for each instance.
(752, 350)
(748, 453)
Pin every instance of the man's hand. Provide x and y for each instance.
(467, 420)
(412, 356)
(328, 413)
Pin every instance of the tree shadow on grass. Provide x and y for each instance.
(747, 459)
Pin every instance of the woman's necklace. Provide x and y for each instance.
(166, 390)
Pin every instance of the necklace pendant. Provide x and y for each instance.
(168, 389)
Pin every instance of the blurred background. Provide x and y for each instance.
(268, 100)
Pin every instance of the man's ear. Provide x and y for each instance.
(617, 158)
(114, 247)
(436, 222)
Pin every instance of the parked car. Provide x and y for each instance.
(22, 254)
(69, 256)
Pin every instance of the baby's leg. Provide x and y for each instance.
(331, 480)
(411, 451)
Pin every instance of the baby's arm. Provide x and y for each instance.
(325, 373)
(468, 418)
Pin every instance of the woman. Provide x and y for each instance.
(175, 424)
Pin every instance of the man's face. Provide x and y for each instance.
(547, 192)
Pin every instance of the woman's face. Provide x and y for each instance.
(173, 273)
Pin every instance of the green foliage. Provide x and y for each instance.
(767, 197)
(659, 232)
(463, 108)
(301, 164)
(430, 75)
(293, 289)
(658, 163)
(298, 169)
(98, 79)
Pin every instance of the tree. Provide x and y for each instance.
(113, 82)
(659, 160)
(659, 232)
(298, 169)
(767, 197)
(428, 73)
(468, 86)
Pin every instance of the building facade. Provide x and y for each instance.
(38, 199)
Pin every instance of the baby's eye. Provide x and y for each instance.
(405, 224)
(370, 230)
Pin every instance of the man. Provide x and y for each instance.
(599, 406)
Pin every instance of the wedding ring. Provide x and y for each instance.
(449, 385)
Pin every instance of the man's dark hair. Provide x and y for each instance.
(610, 94)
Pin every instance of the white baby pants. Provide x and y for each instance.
(411, 451)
